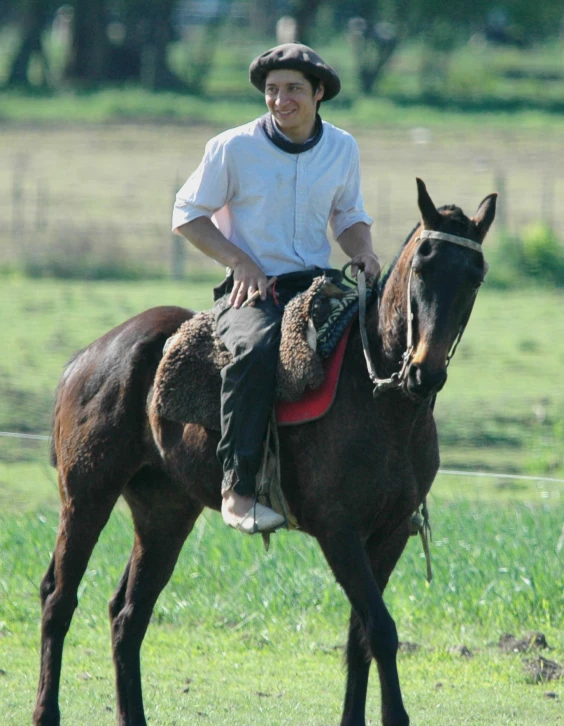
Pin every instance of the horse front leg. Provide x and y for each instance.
(350, 564)
(383, 557)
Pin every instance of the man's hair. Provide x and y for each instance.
(315, 83)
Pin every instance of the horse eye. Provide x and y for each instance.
(424, 249)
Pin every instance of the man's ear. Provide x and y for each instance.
(320, 92)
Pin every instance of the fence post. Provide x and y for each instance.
(383, 208)
(178, 251)
(547, 200)
(501, 207)
(42, 206)
(18, 216)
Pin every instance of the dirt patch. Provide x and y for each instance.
(407, 647)
(541, 670)
(508, 643)
(461, 650)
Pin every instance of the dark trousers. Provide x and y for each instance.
(252, 336)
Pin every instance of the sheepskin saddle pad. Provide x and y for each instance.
(188, 383)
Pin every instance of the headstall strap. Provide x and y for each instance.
(396, 379)
(462, 241)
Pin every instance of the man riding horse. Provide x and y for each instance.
(259, 203)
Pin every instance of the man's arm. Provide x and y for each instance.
(247, 276)
(356, 242)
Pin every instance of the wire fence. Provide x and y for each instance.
(444, 472)
(108, 207)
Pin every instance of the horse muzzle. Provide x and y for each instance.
(422, 381)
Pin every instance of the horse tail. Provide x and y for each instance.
(52, 453)
(52, 448)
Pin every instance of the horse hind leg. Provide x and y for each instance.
(79, 528)
(163, 517)
(358, 661)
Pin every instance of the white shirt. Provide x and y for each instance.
(274, 205)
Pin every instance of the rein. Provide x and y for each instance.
(397, 379)
(419, 521)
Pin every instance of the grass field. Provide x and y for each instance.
(239, 634)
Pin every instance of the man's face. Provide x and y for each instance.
(290, 99)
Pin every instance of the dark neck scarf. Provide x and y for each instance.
(273, 132)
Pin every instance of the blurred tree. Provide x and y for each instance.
(119, 40)
(304, 12)
(264, 14)
(32, 17)
(375, 34)
(202, 52)
(90, 46)
(110, 41)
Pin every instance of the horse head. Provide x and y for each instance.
(428, 296)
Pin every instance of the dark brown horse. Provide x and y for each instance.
(353, 478)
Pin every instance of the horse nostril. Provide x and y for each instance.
(414, 376)
(423, 382)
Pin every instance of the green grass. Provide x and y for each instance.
(45, 322)
(235, 622)
(136, 105)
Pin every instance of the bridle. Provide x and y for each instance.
(397, 379)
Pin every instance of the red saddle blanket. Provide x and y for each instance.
(315, 403)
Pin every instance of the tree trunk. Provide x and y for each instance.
(375, 43)
(90, 47)
(155, 73)
(263, 17)
(33, 23)
(304, 12)
(202, 57)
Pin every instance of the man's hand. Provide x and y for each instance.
(368, 262)
(247, 279)
(247, 276)
(357, 244)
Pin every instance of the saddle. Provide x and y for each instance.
(188, 383)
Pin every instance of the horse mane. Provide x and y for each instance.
(450, 210)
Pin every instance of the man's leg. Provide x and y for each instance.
(252, 335)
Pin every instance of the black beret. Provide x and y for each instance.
(296, 57)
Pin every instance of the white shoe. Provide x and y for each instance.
(258, 519)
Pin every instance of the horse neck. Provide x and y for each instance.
(389, 322)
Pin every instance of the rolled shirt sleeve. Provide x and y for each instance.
(348, 208)
(207, 190)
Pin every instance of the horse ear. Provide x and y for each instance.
(429, 215)
(485, 215)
